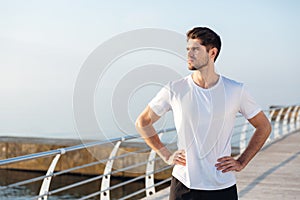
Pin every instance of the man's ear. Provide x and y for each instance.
(213, 53)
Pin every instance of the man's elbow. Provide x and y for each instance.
(142, 122)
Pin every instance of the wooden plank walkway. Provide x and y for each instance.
(274, 174)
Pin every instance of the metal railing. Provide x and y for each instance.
(284, 121)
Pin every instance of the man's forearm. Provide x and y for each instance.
(144, 125)
(257, 141)
(262, 132)
(153, 141)
(228, 163)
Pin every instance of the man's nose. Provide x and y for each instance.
(189, 53)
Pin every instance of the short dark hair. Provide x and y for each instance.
(207, 37)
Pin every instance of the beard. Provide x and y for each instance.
(197, 67)
(192, 68)
(198, 64)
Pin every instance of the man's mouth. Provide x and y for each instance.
(190, 60)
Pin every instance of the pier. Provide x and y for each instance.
(272, 174)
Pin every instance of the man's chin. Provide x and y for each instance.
(192, 68)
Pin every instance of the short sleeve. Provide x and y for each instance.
(160, 104)
(248, 106)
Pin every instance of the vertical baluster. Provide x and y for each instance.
(292, 124)
(105, 184)
(285, 129)
(47, 181)
(243, 137)
(298, 119)
(277, 124)
(270, 119)
(149, 178)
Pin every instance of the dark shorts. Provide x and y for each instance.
(178, 191)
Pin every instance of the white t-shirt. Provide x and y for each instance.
(204, 120)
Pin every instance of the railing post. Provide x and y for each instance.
(47, 181)
(285, 121)
(298, 119)
(105, 184)
(270, 119)
(277, 122)
(243, 142)
(149, 178)
(292, 124)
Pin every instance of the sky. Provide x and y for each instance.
(44, 45)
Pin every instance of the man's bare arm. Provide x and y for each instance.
(144, 125)
(261, 134)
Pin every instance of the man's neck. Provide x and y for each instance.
(205, 78)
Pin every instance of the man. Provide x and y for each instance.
(204, 106)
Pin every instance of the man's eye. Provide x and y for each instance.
(193, 49)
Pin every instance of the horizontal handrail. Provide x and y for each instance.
(144, 189)
(60, 151)
(127, 182)
(72, 148)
